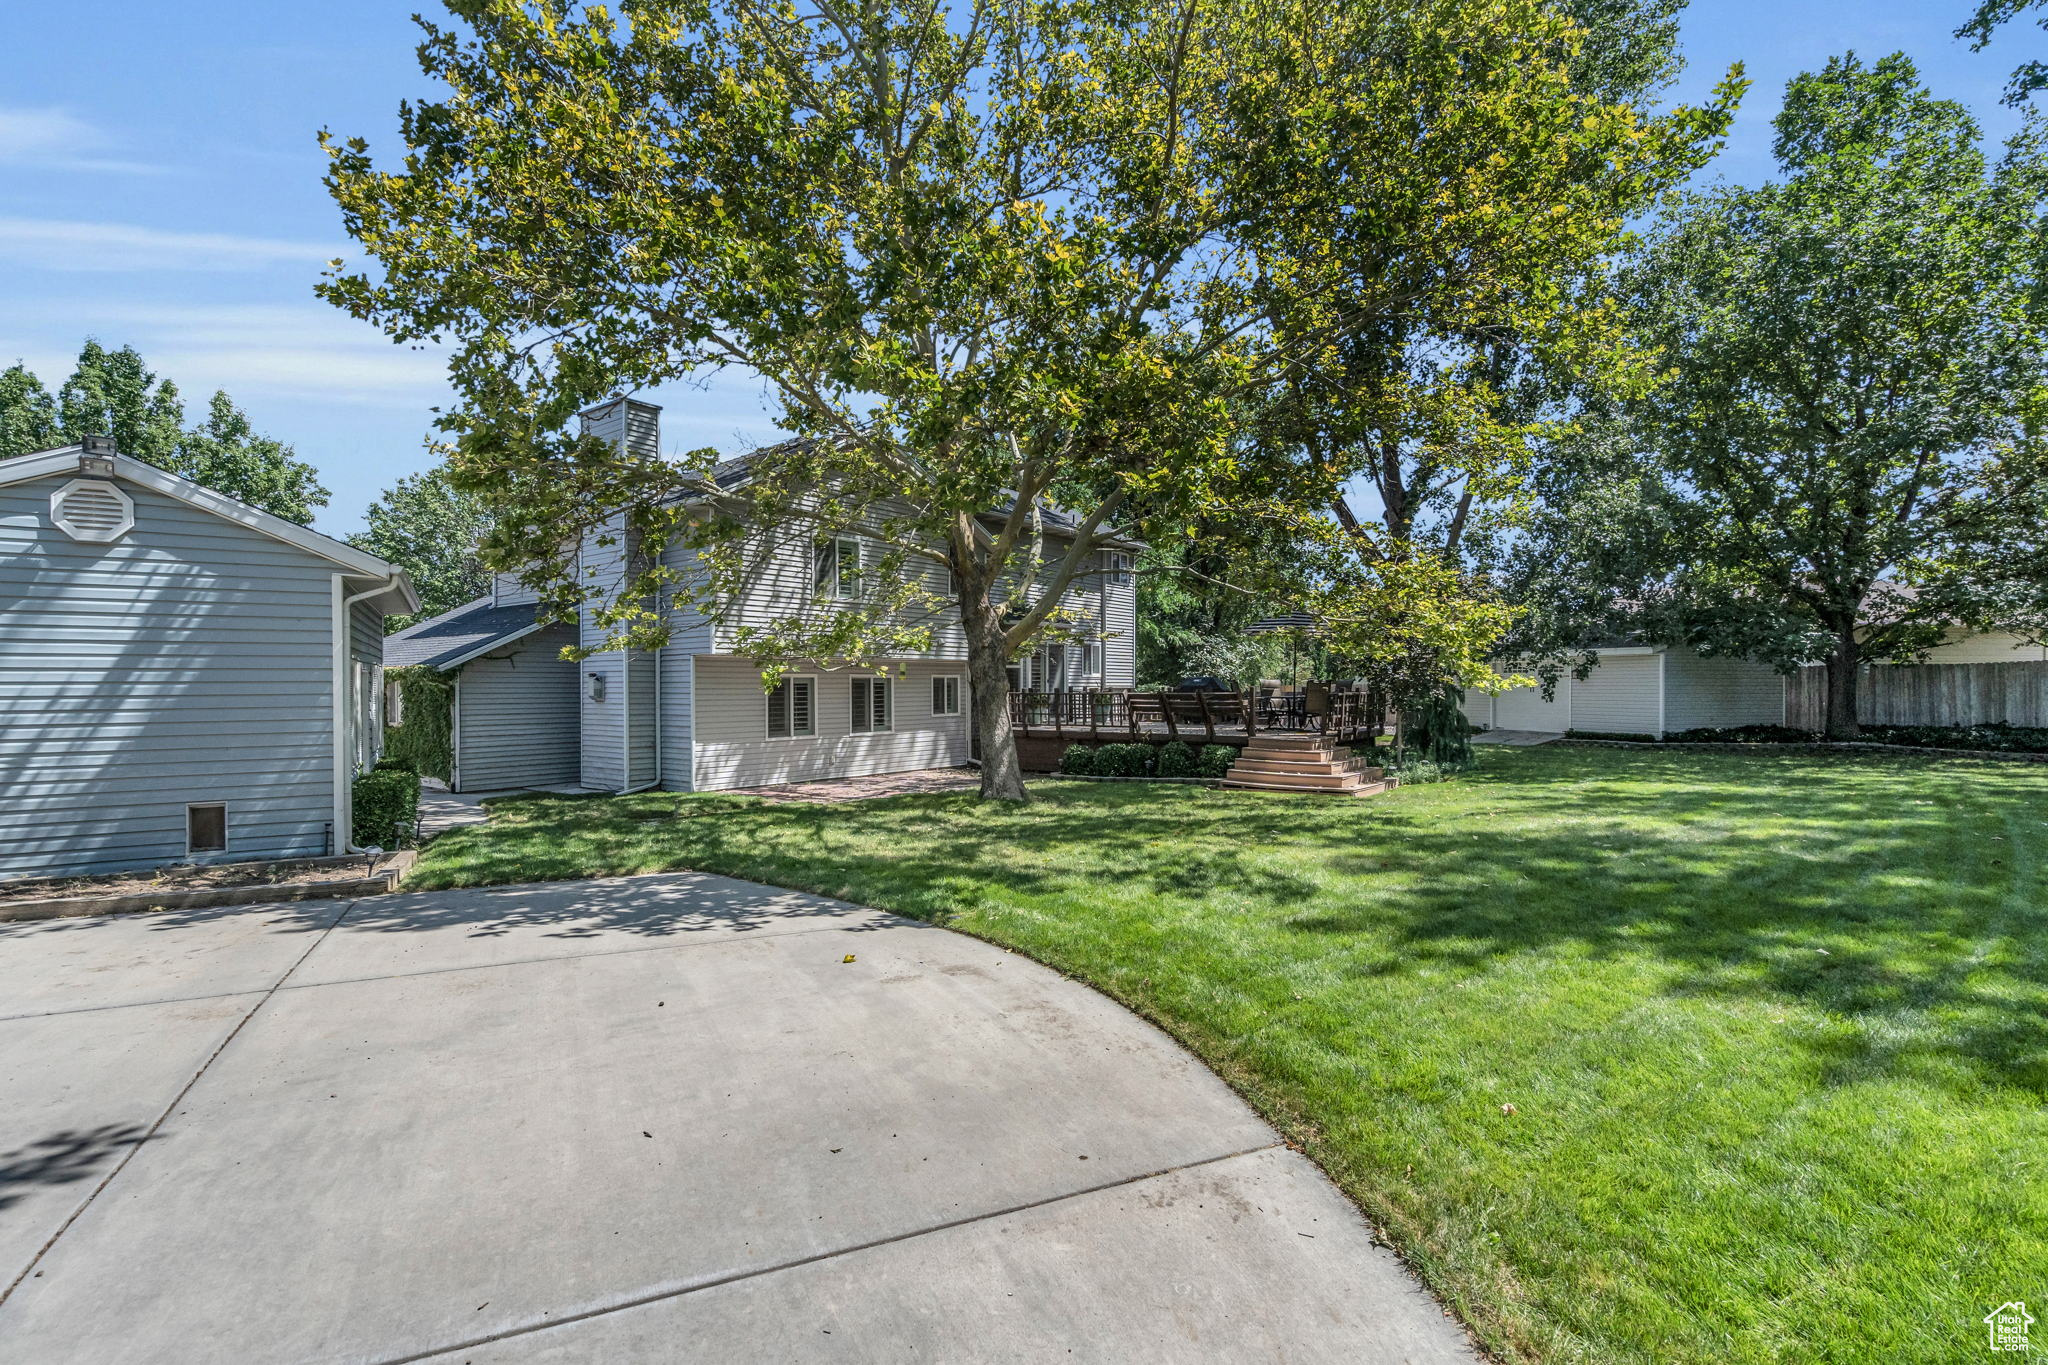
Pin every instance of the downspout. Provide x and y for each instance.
(455, 736)
(344, 831)
(1660, 693)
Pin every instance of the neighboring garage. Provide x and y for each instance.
(1640, 690)
(514, 719)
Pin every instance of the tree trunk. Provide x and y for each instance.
(988, 680)
(1842, 669)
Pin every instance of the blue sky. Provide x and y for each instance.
(160, 186)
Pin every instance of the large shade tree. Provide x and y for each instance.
(996, 262)
(1844, 459)
(115, 393)
(434, 532)
(1990, 16)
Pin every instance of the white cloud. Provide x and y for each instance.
(53, 244)
(58, 139)
(306, 352)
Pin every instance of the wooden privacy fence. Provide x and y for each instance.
(1928, 694)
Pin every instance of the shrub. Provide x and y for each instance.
(1742, 734)
(1437, 729)
(1214, 760)
(2000, 736)
(1605, 734)
(1078, 760)
(1416, 770)
(1124, 760)
(427, 737)
(387, 807)
(1177, 759)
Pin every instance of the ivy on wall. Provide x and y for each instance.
(426, 736)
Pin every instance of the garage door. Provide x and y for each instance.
(1525, 709)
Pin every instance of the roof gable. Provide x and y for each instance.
(68, 460)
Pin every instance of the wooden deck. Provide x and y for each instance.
(1112, 715)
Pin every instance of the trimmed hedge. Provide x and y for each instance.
(1177, 759)
(387, 807)
(2018, 739)
(1124, 760)
(1214, 760)
(1742, 734)
(1078, 761)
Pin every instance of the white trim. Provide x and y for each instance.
(342, 719)
(811, 678)
(455, 737)
(690, 782)
(959, 693)
(86, 535)
(337, 683)
(358, 563)
(1661, 657)
(447, 615)
(890, 705)
(1620, 650)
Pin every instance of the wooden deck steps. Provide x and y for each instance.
(1303, 763)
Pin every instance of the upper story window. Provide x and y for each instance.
(1116, 568)
(836, 567)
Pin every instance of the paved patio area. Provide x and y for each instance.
(835, 790)
(643, 1119)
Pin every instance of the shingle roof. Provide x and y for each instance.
(463, 635)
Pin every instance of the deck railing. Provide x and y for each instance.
(1100, 714)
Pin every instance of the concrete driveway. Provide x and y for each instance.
(643, 1119)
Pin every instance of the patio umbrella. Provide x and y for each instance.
(1294, 623)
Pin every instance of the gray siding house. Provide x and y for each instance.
(182, 676)
(693, 716)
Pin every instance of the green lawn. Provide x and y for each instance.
(1774, 1028)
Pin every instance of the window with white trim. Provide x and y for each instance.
(1116, 568)
(836, 563)
(872, 709)
(793, 709)
(946, 695)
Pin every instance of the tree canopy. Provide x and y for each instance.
(434, 532)
(1843, 459)
(994, 261)
(1991, 15)
(114, 393)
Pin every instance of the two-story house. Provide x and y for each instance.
(694, 715)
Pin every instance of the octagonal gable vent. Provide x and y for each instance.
(92, 510)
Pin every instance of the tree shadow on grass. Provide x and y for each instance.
(1891, 899)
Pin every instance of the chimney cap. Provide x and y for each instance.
(97, 445)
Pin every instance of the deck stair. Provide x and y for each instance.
(1303, 763)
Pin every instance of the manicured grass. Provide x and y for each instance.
(1774, 1029)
